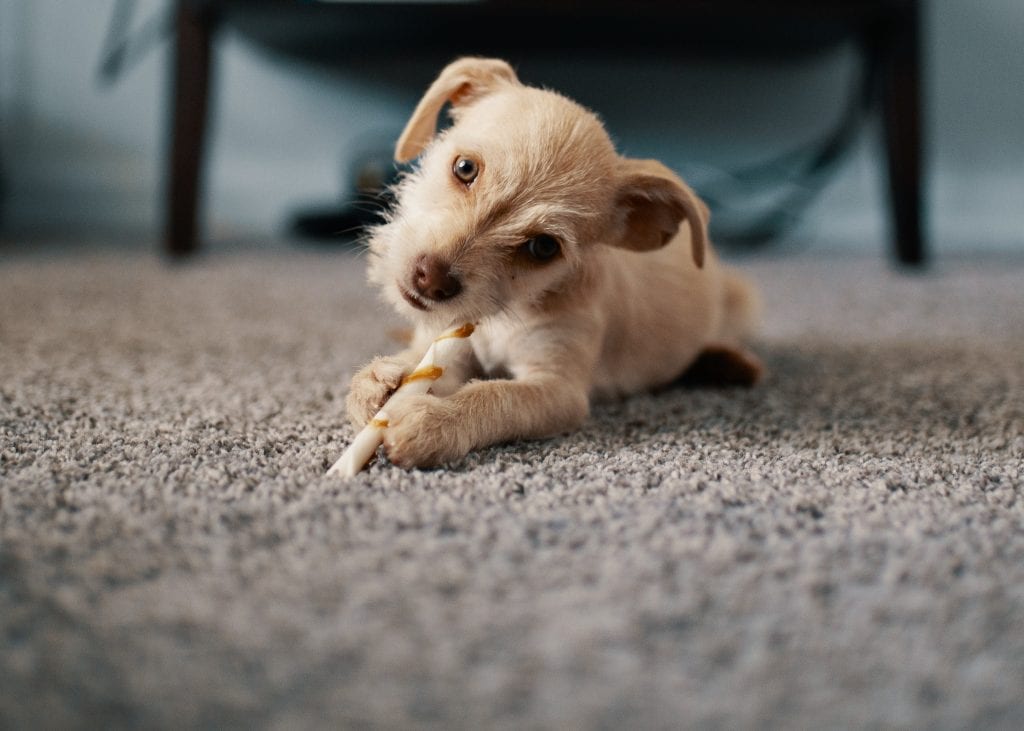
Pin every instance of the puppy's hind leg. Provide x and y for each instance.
(741, 308)
(725, 362)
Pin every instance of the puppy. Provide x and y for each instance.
(588, 274)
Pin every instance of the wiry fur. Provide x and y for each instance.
(631, 301)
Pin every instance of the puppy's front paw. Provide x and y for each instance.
(371, 387)
(423, 431)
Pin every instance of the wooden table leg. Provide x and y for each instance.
(900, 87)
(190, 89)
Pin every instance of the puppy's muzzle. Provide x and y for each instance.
(433, 279)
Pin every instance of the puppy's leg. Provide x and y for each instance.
(427, 430)
(374, 384)
(741, 306)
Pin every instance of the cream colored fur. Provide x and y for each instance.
(634, 296)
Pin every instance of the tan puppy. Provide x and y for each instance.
(572, 260)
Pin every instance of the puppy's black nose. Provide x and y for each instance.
(433, 279)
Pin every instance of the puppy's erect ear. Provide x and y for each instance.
(652, 201)
(460, 82)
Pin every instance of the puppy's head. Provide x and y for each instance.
(507, 203)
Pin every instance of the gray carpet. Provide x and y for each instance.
(843, 546)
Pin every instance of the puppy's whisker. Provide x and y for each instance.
(504, 309)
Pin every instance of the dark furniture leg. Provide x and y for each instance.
(898, 43)
(191, 70)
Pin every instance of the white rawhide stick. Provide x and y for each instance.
(443, 353)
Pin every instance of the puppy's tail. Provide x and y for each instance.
(741, 307)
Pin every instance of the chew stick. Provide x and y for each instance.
(442, 353)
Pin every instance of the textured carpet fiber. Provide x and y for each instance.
(843, 545)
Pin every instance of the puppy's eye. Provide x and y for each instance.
(542, 248)
(465, 169)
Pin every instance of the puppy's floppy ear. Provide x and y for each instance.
(460, 82)
(651, 204)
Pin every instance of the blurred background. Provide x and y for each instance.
(83, 153)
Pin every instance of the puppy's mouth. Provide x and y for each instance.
(413, 299)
